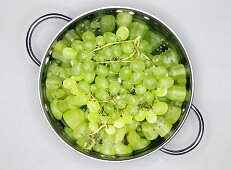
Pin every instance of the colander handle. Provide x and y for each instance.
(32, 28)
(195, 142)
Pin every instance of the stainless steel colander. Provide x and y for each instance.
(157, 25)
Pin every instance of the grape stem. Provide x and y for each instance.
(117, 61)
(145, 56)
(109, 44)
(97, 130)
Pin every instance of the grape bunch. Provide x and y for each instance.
(112, 87)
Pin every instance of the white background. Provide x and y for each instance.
(28, 143)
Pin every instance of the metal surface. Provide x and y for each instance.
(195, 142)
(32, 28)
(157, 25)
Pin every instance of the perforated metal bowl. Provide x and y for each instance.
(157, 25)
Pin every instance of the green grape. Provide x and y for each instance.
(69, 53)
(88, 35)
(127, 47)
(173, 114)
(104, 119)
(121, 103)
(110, 130)
(48, 95)
(148, 72)
(140, 116)
(147, 63)
(102, 71)
(99, 57)
(77, 69)
(143, 143)
(119, 123)
(122, 33)
(77, 45)
(88, 66)
(160, 91)
(93, 88)
(110, 37)
(101, 82)
(125, 73)
(177, 71)
(84, 87)
(127, 84)
(58, 107)
(160, 72)
(89, 77)
(53, 82)
(112, 78)
(93, 106)
(131, 109)
(81, 130)
(93, 117)
(157, 60)
(137, 29)
(176, 93)
(148, 97)
(143, 46)
(89, 44)
(59, 57)
(137, 66)
(100, 41)
(93, 126)
(137, 77)
(122, 149)
(83, 26)
(123, 19)
(70, 102)
(107, 23)
(69, 83)
(170, 58)
(70, 36)
(123, 90)
(151, 117)
(140, 89)
(60, 46)
(81, 99)
(75, 90)
(69, 132)
(117, 51)
(133, 138)
(182, 81)
(115, 67)
(166, 82)
(160, 108)
(107, 150)
(73, 117)
(133, 100)
(101, 94)
(133, 125)
(94, 24)
(154, 41)
(114, 88)
(120, 134)
(148, 130)
(150, 82)
(85, 55)
(163, 127)
(108, 108)
(81, 142)
(128, 119)
(58, 93)
(107, 53)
